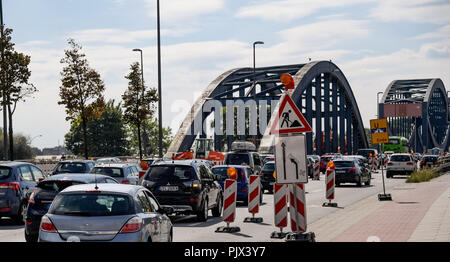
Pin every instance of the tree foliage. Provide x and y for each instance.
(81, 91)
(151, 134)
(22, 147)
(106, 135)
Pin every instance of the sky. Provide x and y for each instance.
(373, 42)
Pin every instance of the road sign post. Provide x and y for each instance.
(290, 159)
(379, 131)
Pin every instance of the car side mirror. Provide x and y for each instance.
(167, 210)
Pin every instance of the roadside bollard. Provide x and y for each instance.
(254, 191)
(229, 207)
(280, 206)
(329, 183)
(317, 170)
(297, 213)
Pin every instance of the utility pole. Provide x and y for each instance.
(159, 86)
(5, 123)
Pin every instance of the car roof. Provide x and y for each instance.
(430, 155)
(13, 163)
(76, 161)
(401, 154)
(86, 177)
(179, 163)
(119, 165)
(115, 188)
(269, 162)
(236, 166)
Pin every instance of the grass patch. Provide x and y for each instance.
(421, 176)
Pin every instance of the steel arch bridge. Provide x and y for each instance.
(321, 92)
(418, 110)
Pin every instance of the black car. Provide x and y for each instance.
(45, 191)
(73, 166)
(17, 181)
(188, 186)
(310, 166)
(350, 171)
(429, 161)
(267, 178)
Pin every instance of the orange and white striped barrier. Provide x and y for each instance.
(330, 183)
(317, 170)
(280, 207)
(297, 209)
(229, 207)
(254, 196)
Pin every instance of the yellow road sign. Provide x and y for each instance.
(379, 131)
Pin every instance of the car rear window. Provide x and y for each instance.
(430, 158)
(269, 167)
(237, 159)
(71, 167)
(171, 174)
(91, 204)
(109, 171)
(399, 158)
(326, 159)
(57, 185)
(344, 163)
(4, 172)
(366, 153)
(222, 171)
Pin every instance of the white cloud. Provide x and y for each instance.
(109, 35)
(175, 11)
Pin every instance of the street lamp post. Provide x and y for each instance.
(159, 84)
(5, 123)
(142, 91)
(254, 79)
(31, 141)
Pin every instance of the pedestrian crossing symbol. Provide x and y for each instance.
(289, 119)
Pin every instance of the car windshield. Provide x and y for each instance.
(429, 158)
(400, 158)
(222, 171)
(171, 174)
(237, 159)
(71, 167)
(344, 163)
(91, 204)
(109, 171)
(57, 185)
(269, 167)
(4, 172)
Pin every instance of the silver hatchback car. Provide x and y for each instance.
(106, 212)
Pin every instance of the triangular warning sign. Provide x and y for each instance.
(289, 119)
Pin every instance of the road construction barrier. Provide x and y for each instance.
(229, 206)
(297, 209)
(280, 207)
(254, 196)
(330, 183)
(375, 164)
(317, 170)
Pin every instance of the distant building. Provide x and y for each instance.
(57, 150)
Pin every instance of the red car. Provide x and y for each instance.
(324, 162)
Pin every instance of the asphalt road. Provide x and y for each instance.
(187, 229)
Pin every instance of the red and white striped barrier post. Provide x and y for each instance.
(297, 213)
(280, 206)
(317, 170)
(254, 196)
(329, 184)
(229, 207)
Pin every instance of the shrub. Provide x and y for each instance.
(421, 176)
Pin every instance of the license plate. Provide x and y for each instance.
(340, 172)
(271, 183)
(168, 188)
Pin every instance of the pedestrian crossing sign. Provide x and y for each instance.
(289, 119)
(379, 131)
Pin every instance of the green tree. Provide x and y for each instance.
(151, 134)
(22, 147)
(138, 102)
(14, 82)
(81, 91)
(106, 135)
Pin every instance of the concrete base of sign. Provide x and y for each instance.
(278, 235)
(329, 204)
(384, 197)
(301, 237)
(227, 229)
(253, 220)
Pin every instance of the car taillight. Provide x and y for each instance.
(133, 225)
(47, 225)
(435, 162)
(352, 169)
(244, 189)
(141, 173)
(125, 182)
(31, 200)
(193, 199)
(410, 163)
(390, 163)
(309, 165)
(11, 185)
(422, 162)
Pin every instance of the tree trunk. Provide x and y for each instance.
(85, 142)
(11, 135)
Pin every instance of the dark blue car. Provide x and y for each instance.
(17, 181)
(243, 172)
(40, 200)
